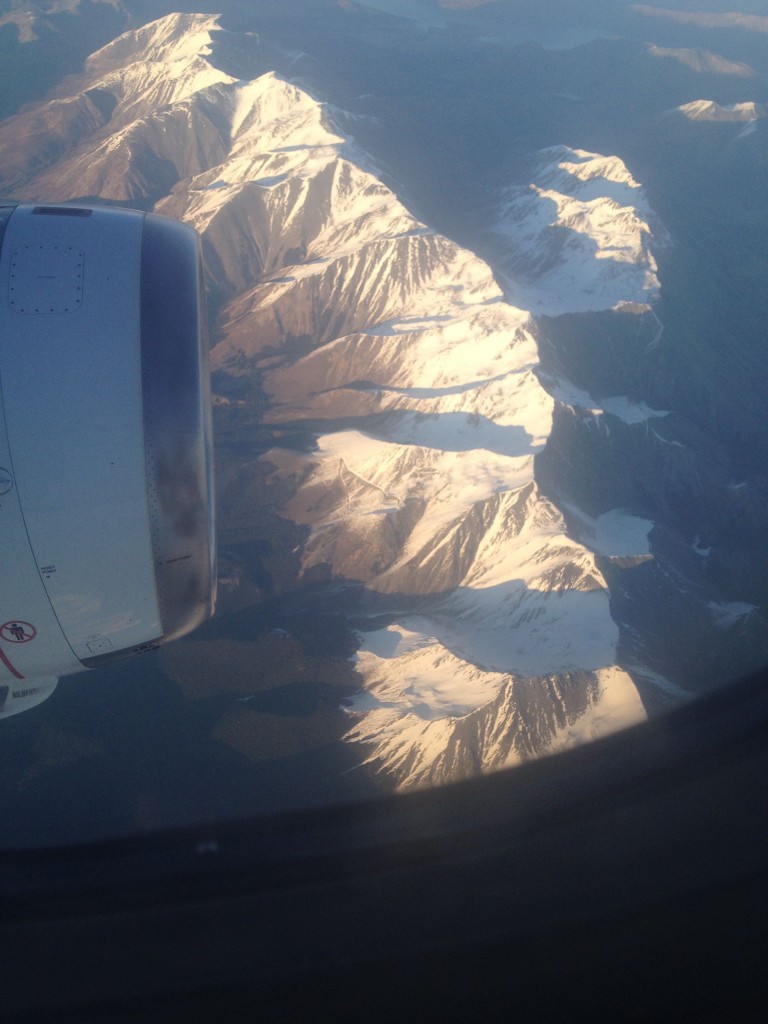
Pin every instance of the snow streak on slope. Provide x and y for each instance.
(397, 349)
(579, 237)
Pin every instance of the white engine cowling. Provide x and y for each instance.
(106, 494)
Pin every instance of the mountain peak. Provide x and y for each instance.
(709, 110)
(174, 37)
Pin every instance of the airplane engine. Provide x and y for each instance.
(106, 494)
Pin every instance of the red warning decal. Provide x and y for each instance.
(17, 632)
(11, 668)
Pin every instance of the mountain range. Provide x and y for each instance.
(509, 433)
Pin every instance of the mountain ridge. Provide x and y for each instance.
(414, 376)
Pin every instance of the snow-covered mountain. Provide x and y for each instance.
(708, 110)
(581, 236)
(487, 628)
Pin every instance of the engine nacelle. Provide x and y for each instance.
(107, 540)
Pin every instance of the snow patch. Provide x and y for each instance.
(623, 408)
(620, 534)
(430, 682)
(727, 613)
(615, 534)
